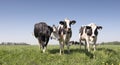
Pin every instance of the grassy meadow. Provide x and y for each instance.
(31, 55)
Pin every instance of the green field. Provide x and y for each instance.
(31, 55)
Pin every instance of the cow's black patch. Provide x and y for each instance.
(69, 32)
(72, 22)
(41, 28)
(99, 27)
(96, 32)
(61, 30)
(88, 30)
(63, 23)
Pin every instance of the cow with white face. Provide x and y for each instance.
(89, 34)
(54, 34)
(63, 33)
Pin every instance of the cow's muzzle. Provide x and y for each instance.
(68, 30)
(93, 36)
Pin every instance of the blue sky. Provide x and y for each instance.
(17, 17)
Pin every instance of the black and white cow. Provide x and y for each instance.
(89, 34)
(42, 32)
(65, 33)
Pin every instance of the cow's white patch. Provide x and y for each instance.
(67, 23)
(93, 26)
(54, 34)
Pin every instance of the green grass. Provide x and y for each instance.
(31, 55)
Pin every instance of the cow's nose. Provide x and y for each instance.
(69, 28)
(93, 36)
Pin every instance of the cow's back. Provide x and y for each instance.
(40, 28)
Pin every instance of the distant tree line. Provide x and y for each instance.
(13, 43)
(111, 43)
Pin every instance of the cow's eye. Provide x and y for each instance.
(65, 25)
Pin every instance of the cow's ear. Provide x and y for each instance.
(99, 27)
(61, 22)
(51, 29)
(72, 22)
(88, 27)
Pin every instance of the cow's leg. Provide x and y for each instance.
(42, 44)
(47, 40)
(45, 44)
(80, 40)
(39, 41)
(94, 45)
(80, 43)
(68, 49)
(67, 44)
(85, 45)
(44, 48)
(88, 46)
(61, 47)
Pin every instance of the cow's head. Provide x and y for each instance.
(55, 34)
(92, 30)
(67, 24)
(54, 28)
